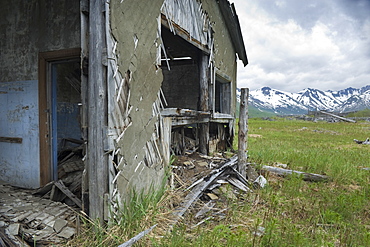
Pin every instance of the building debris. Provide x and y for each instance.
(29, 220)
(212, 186)
(367, 141)
(305, 176)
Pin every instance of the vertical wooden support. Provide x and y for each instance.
(97, 162)
(84, 8)
(243, 132)
(204, 98)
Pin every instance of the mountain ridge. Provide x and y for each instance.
(280, 102)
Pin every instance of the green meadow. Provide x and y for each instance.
(288, 211)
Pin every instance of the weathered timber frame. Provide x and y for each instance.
(97, 160)
(44, 107)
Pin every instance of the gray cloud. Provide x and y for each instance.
(292, 44)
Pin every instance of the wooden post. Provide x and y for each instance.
(204, 98)
(243, 132)
(97, 162)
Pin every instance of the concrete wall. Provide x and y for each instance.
(136, 20)
(27, 28)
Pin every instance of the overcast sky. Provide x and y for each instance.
(296, 44)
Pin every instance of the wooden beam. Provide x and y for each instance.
(305, 176)
(204, 98)
(97, 162)
(243, 132)
(336, 116)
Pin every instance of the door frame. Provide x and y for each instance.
(44, 107)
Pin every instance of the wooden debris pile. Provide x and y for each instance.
(216, 177)
(67, 188)
(27, 220)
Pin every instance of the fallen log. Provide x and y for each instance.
(305, 176)
(336, 116)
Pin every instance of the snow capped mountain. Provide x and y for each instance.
(356, 102)
(314, 98)
(280, 102)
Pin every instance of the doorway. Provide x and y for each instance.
(65, 100)
(59, 109)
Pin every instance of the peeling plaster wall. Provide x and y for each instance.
(27, 28)
(224, 52)
(134, 26)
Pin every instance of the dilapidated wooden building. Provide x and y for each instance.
(121, 83)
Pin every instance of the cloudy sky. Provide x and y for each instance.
(296, 44)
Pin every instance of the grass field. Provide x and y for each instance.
(289, 211)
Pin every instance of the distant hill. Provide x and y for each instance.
(273, 101)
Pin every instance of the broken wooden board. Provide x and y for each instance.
(306, 176)
(201, 186)
(68, 193)
(137, 237)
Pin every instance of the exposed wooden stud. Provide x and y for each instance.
(204, 98)
(97, 162)
(243, 132)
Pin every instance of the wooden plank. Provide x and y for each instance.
(306, 176)
(11, 139)
(137, 237)
(336, 116)
(204, 98)
(97, 162)
(180, 112)
(68, 193)
(243, 132)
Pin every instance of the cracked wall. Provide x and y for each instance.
(134, 25)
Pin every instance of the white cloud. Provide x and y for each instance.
(332, 52)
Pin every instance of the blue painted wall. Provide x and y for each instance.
(20, 162)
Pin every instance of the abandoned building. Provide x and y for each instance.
(114, 87)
